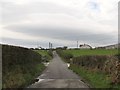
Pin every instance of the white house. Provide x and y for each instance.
(85, 46)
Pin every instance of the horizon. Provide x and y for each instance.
(54, 47)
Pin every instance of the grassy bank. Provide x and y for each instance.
(20, 66)
(95, 79)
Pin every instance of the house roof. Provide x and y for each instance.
(82, 45)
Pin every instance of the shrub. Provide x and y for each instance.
(106, 64)
(96, 61)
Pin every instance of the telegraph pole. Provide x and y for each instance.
(77, 44)
(49, 45)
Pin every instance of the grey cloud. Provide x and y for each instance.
(28, 43)
(64, 34)
(22, 42)
(15, 13)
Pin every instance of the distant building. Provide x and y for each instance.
(100, 48)
(112, 46)
(85, 46)
(115, 46)
(63, 48)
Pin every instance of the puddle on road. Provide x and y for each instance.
(40, 80)
(68, 64)
(37, 80)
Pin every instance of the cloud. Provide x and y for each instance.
(94, 6)
(62, 22)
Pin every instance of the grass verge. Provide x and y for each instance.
(95, 79)
(19, 78)
(29, 77)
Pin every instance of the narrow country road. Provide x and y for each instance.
(57, 75)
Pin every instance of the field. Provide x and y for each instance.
(76, 53)
(46, 54)
(43, 53)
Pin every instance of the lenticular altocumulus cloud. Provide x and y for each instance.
(62, 22)
(63, 33)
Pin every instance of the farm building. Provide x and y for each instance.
(112, 46)
(99, 47)
(115, 46)
(85, 46)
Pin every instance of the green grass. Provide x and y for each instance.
(76, 53)
(19, 78)
(44, 53)
(95, 79)
(29, 78)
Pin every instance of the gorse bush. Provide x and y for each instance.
(20, 66)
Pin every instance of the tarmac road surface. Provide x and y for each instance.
(57, 75)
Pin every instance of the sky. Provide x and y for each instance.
(32, 23)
